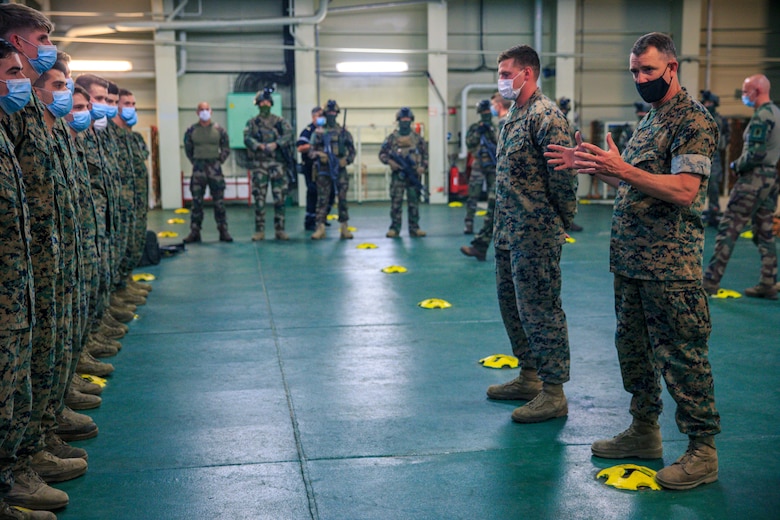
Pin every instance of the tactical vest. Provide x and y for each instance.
(405, 145)
(205, 142)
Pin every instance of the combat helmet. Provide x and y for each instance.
(265, 95)
(483, 106)
(332, 106)
(404, 112)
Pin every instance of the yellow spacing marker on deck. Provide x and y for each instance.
(629, 476)
(176, 221)
(455, 204)
(181, 211)
(167, 234)
(726, 293)
(390, 269)
(500, 361)
(434, 303)
(143, 277)
(366, 245)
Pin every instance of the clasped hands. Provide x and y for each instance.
(586, 158)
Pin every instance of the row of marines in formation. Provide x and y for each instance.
(74, 200)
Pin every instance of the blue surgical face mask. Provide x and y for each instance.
(112, 111)
(19, 91)
(133, 120)
(69, 84)
(746, 100)
(493, 111)
(47, 57)
(128, 113)
(99, 110)
(62, 103)
(81, 120)
(321, 121)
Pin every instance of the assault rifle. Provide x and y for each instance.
(409, 171)
(333, 161)
(488, 145)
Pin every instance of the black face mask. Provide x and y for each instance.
(655, 89)
(404, 127)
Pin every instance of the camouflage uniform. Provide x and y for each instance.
(268, 167)
(483, 169)
(754, 196)
(32, 141)
(89, 265)
(412, 146)
(99, 189)
(112, 178)
(140, 154)
(126, 208)
(343, 149)
(534, 206)
(207, 147)
(69, 288)
(663, 319)
(16, 311)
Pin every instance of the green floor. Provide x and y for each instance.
(298, 381)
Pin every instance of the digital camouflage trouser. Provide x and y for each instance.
(15, 399)
(662, 329)
(207, 174)
(529, 297)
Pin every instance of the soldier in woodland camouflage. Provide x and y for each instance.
(409, 146)
(207, 146)
(754, 196)
(265, 137)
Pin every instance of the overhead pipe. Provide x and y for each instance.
(464, 99)
(198, 26)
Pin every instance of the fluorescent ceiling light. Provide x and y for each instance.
(100, 65)
(372, 66)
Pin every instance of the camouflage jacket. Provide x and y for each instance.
(405, 145)
(653, 239)
(264, 130)
(32, 142)
(16, 271)
(343, 147)
(482, 160)
(534, 203)
(96, 167)
(761, 146)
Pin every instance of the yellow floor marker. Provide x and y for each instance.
(629, 476)
(434, 303)
(500, 361)
(366, 245)
(390, 269)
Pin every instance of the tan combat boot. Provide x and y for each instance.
(642, 440)
(524, 387)
(699, 465)
(319, 233)
(281, 235)
(417, 233)
(391, 233)
(258, 236)
(549, 404)
(345, 232)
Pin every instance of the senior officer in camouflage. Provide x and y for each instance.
(663, 318)
(16, 281)
(754, 196)
(265, 136)
(332, 149)
(535, 204)
(481, 140)
(207, 146)
(411, 147)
